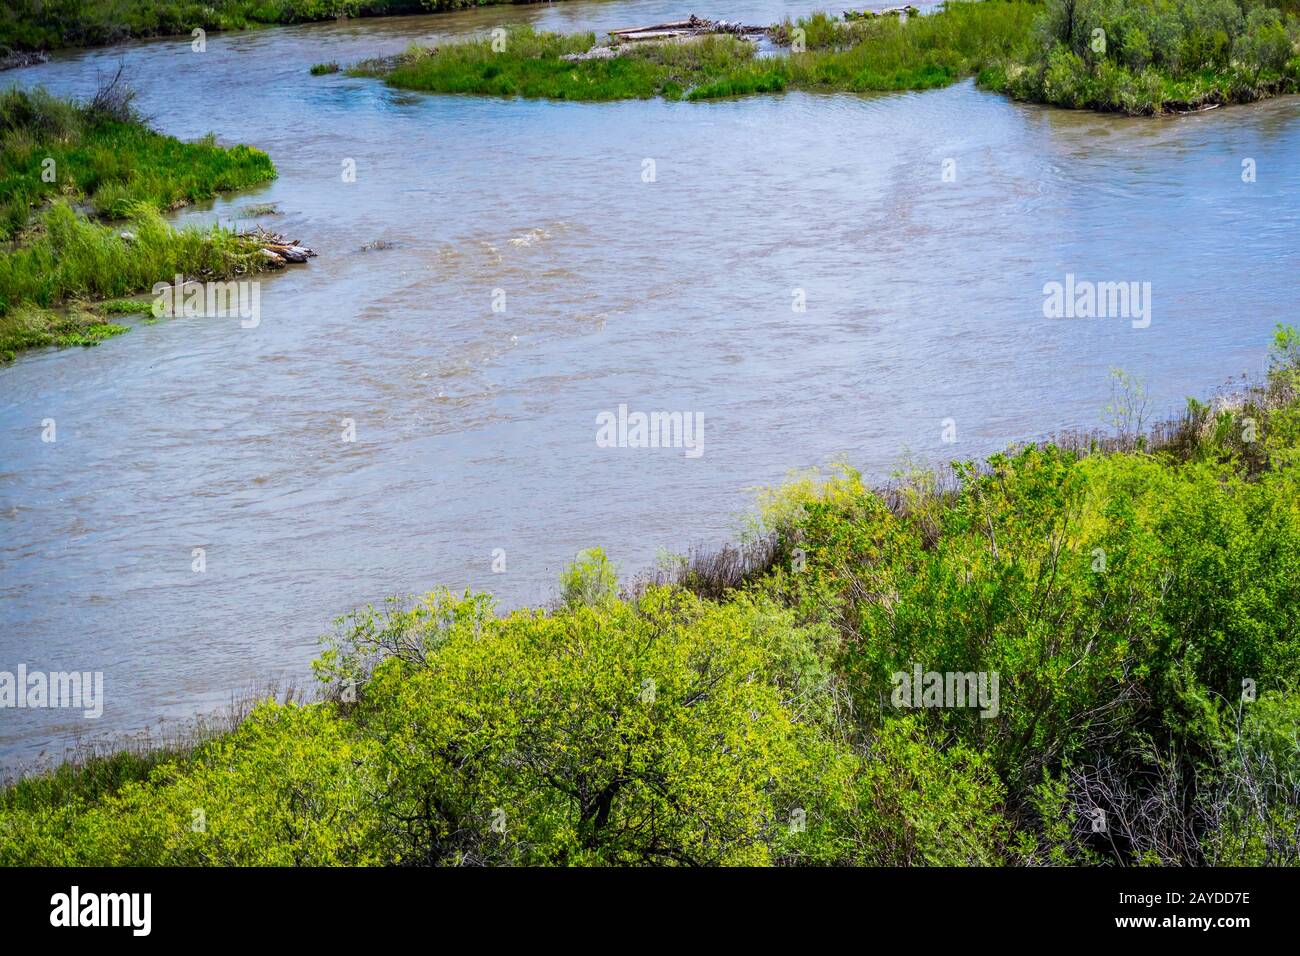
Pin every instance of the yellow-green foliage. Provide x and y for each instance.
(661, 730)
(1140, 609)
(634, 733)
(290, 787)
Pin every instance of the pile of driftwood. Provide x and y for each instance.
(277, 249)
(909, 10)
(692, 27)
(12, 60)
(657, 33)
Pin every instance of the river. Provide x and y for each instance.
(475, 429)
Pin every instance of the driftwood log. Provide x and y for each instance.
(692, 26)
(277, 249)
(659, 32)
(908, 10)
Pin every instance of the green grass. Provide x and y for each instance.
(107, 160)
(52, 24)
(323, 69)
(68, 259)
(90, 779)
(1012, 47)
(81, 189)
(881, 54)
(921, 53)
(1125, 589)
(532, 67)
(124, 307)
(29, 326)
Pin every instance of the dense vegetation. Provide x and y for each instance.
(1138, 599)
(67, 168)
(1136, 56)
(51, 24)
(880, 54)
(1145, 56)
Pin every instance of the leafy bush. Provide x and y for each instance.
(1264, 45)
(1136, 613)
(1145, 56)
(624, 733)
(290, 787)
(1255, 809)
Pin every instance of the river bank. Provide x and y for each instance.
(83, 186)
(826, 54)
(29, 25)
(474, 426)
(1126, 607)
(1029, 50)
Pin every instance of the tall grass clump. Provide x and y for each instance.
(67, 169)
(72, 257)
(68, 259)
(52, 24)
(532, 65)
(1154, 56)
(920, 52)
(102, 154)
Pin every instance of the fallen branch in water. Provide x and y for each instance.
(277, 249)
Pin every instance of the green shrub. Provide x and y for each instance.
(290, 787)
(1255, 809)
(1139, 610)
(1146, 56)
(623, 733)
(1264, 45)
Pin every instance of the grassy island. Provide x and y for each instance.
(1131, 56)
